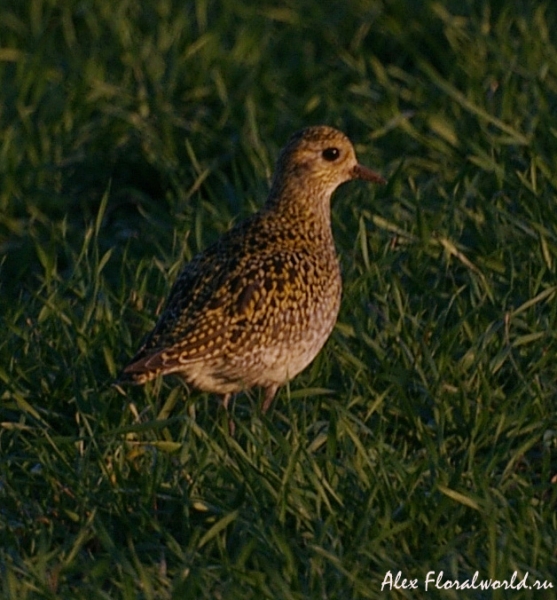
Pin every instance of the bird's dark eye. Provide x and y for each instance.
(330, 154)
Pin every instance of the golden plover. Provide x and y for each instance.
(256, 307)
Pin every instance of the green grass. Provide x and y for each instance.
(423, 438)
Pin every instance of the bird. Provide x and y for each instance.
(255, 308)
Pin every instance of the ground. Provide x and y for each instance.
(424, 436)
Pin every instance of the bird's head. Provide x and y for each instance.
(315, 161)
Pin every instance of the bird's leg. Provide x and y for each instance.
(269, 395)
(231, 424)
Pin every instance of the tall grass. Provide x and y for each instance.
(424, 436)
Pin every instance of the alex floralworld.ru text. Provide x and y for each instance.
(438, 581)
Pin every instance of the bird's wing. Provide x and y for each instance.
(202, 304)
(190, 299)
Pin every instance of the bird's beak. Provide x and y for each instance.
(361, 172)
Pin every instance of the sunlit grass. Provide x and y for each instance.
(422, 438)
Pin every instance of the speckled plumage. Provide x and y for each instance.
(255, 308)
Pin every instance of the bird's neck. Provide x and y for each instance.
(307, 206)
